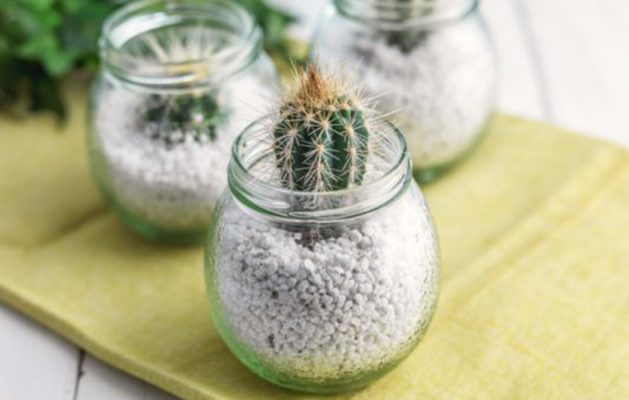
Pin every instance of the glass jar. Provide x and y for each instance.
(430, 63)
(178, 82)
(321, 292)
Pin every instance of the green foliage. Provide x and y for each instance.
(40, 41)
(321, 138)
(407, 39)
(274, 23)
(43, 40)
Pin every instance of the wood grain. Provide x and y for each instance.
(34, 363)
(584, 53)
(101, 382)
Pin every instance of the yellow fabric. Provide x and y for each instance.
(534, 304)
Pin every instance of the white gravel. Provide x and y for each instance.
(341, 306)
(441, 92)
(171, 186)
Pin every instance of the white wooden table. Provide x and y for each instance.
(562, 61)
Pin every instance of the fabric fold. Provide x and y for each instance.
(533, 230)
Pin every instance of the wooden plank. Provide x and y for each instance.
(34, 363)
(519, 87)
(584, 50)
(102, 382)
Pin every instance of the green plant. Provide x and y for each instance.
(274, 22)
(402, 11)
(199, 115)
(321, 137)
(41, 41)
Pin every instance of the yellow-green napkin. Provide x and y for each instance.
(534, 228)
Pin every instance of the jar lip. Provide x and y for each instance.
(212, 64)
(395, 16)
(277, 201)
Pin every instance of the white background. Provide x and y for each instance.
(562, 61)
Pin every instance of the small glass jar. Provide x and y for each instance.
(430, 63)
(321, 292)
(178, 82)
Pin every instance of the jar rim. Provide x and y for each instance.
(395, 16)
(274, 200)
(212, 65)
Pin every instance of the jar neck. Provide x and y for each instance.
(170, 44)
(405, 14)
(268, 198)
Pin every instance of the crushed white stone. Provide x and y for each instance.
(441, 92)
(171, 186)
(345, 305)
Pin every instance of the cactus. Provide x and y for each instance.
(407, 40)
(321, 137)
(198, 115)
(177, 116)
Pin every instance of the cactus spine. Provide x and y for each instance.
(197, 115)
(403, 10)
(321, 138)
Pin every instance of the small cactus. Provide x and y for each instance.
(197, 115)
(403, 10)
(188, 114)
(321, 137)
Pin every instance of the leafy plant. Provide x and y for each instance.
(41, 41)
(274, 23)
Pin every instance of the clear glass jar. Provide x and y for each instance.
(428, 62)
(321, 292)
(178, 82)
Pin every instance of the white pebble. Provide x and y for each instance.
(441, 91)
(330, 323)
(173, 185)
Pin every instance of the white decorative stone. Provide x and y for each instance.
(343, 304)
(152, 173)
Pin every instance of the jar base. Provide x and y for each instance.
(430, 174)
(344, 384)
(324, 387)
(159, 234)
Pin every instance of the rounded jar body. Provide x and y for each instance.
(178, 82)
(324, 300)
(428, 63)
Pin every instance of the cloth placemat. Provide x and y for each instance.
(534, 231)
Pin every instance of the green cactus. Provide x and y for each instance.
(321, 138)
(199, 115)
(407, 40)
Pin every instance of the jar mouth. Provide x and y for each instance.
(252, 179)
(183, 43)
(406, 14)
